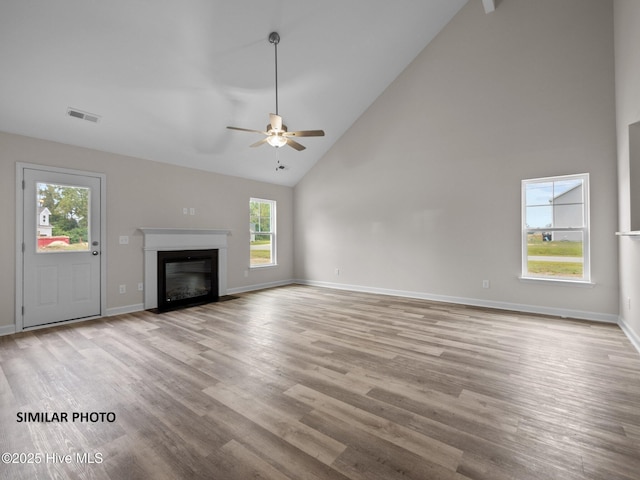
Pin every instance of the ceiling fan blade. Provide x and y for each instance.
(296, 145)
(276, 121)
(305, 133)
(259, 142)
(248, 130)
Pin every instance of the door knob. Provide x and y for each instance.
(95, 252)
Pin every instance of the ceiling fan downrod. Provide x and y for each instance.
(274, 38)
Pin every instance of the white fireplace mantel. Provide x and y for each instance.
(165, 239)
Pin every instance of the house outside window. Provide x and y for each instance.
(555, 228)
(262, 228)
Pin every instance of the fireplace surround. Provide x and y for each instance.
(174, 239)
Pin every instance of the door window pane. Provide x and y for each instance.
(62, 218)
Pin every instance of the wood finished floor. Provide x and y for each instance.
(309, 383)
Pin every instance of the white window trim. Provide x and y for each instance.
(274, 257)
(586, 229)
(563, 282)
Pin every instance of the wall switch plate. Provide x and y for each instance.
(185, 211)
(123, 289)
(140, 287)
(192, 211)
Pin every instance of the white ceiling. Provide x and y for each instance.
(167, 76)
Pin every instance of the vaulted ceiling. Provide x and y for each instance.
(164, 78)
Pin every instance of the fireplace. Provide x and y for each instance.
(186, 278)
(176, 239)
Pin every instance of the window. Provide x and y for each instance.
(555, 228)
(63, 218)
(262, 227)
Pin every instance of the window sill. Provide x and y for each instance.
(269, 265)
(559, 282)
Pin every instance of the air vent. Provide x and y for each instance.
(89, 117)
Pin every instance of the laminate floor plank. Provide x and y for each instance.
(249, 465)
(309, 383)
(408, 439)
(279, 422)
(281, 454)
(370, 457)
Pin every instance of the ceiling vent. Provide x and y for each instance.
(89, 117)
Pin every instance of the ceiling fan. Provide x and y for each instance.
(276, 133)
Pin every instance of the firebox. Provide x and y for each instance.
(187, 278)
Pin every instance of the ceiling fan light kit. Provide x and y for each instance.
(276, 141)
(276, 133)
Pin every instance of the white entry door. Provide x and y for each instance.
(62, 264)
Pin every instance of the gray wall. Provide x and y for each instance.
(627, 57)
(141, 193)
(422, 195)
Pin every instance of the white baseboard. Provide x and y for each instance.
(559, 312)
(261, 286)
(633, 337)
(230, 291)
(7, 330)
(126, 309)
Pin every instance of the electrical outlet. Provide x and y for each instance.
(123, 289)
(124, 240)
(192, 211)
(336, 271)
(485, 284)
(185, 211)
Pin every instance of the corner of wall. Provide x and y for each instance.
(633, 337)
